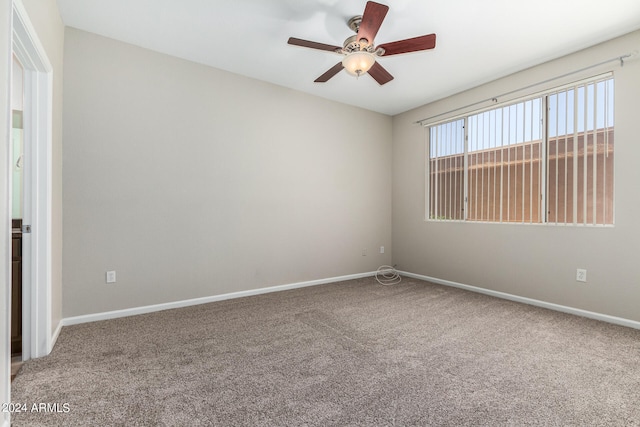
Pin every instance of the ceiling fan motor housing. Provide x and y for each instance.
(352, 44)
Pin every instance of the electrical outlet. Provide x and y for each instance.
(111, 276)
(364, 252)
(581, 275)
(381, 249)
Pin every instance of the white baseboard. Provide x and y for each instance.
(54, 337)
(557, 307)
(204, 300)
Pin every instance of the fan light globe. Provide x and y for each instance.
(358, 63)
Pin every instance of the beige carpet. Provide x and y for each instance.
(345, 354)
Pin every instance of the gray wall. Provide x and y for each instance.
(191, 181)
(536, 262)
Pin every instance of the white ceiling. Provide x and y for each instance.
(477, 40)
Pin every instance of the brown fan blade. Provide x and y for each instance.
(330, 73)
(372, 18)
(313, 45)
(409, 45)
(379, 74)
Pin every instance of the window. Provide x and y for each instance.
(548, 159)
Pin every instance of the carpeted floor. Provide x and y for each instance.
(344, 354)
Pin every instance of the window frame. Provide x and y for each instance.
(543, 96)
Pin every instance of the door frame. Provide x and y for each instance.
(37, 334)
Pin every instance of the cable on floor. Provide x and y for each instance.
(387, 276)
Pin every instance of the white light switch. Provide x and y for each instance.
(111, 276)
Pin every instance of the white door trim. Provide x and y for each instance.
(38, 118)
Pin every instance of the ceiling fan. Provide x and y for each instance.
(360, 53)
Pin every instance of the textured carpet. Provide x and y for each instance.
(344, 354)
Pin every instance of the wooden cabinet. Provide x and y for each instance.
(16, 290)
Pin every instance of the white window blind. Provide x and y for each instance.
(446, 168)
(580, 153)
(504, 163)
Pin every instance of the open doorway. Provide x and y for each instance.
(35, 186)
(17, 208)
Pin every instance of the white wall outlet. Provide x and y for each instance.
(581, 275)
(111, 276)
(381, 249)
(364, 252)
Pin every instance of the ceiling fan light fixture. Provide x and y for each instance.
(358, 63)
